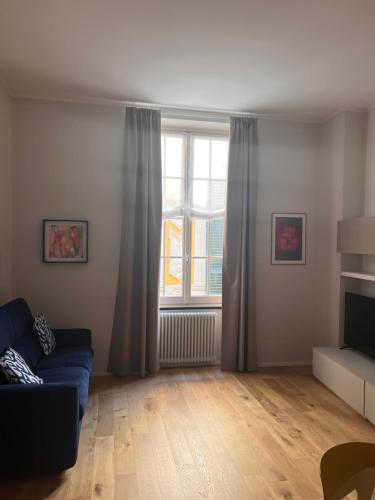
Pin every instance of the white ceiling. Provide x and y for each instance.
(298, 58)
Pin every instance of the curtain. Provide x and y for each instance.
(238, 328)
(134, 344)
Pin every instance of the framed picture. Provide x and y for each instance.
(288, 239)
(65, 241)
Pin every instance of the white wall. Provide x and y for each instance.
(5, 196)
(369, 198)
(286, 298)
(369, 188)
(329, 207)
(341, 191)
(354, 164)
(67, 164)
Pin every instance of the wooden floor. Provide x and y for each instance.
(202, 433)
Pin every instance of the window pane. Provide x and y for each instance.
(162, 156)
(216, 237)
(198, 277)
(172, 194)
(162, 239)
(174, 156)
(162, 277)
(215, 270)
(206, 184)
(217, 195)
(173, 237)
(219, 159)
(199, 230)
(173, 277)
(201, 158)
(200, 194)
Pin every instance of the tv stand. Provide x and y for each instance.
(349, 374)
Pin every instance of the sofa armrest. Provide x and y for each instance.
(74, 337)
(39, 427)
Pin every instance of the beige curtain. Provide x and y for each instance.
(134, 344)
(238, 330)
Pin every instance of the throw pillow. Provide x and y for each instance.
(16, 369)
(44, 333)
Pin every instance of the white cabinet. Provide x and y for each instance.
(356, 236)
(370, 402)
(350, 375)
(347, 385)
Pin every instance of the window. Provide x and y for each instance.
(194, 172)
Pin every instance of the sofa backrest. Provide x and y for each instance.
(20, 315)
(7, 331)
(16, 330)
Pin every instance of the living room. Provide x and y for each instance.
(103, 109)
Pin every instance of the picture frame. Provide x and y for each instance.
(65, 241)
(288, 245)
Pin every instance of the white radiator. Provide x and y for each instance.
(187, 338)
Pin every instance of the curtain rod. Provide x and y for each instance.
(190, 113)
(201, 115)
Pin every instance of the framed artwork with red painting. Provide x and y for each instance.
(288, 239)
(65, 241)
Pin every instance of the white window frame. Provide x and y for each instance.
(187, 299)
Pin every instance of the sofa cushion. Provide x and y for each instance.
(76, 374)
(67, 357)
(28, 346)
(44, 334)
(16, 369)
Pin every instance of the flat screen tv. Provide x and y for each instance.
(359, 326)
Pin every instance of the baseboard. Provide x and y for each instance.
(217, 364)
(285, 363)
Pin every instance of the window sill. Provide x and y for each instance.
(189, 306)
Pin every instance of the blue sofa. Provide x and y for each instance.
(40, 424)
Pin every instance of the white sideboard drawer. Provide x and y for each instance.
(370, 402)
(344, 383)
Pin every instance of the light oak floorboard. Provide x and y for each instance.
(200, 434)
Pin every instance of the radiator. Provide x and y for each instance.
(187, 338)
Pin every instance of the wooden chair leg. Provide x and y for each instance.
(365, 492)
(329, 496)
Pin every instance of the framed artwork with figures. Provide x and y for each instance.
(288, 238)
(65, 241)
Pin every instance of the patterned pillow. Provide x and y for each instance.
(16, 369)
(44, 333)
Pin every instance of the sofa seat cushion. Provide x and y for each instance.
(63, 375)
(67, 357)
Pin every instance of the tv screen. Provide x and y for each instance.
(359, 326)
